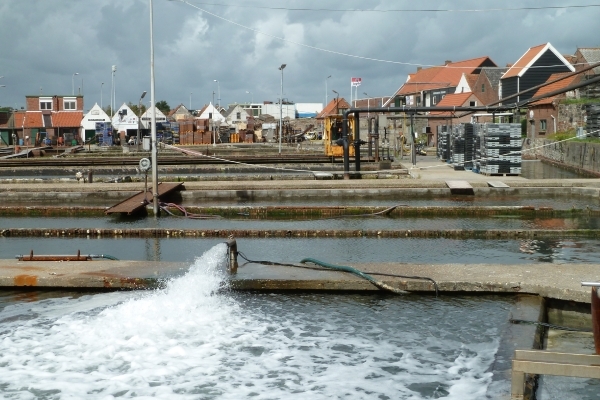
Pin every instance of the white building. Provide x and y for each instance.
(287, 110)
(210, 112)
(308, 110)
(88, 123)
(124, 120)
(147, 117)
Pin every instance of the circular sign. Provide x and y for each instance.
(145, 164)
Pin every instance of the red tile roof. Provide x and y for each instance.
(332, 108)
(554, 86)
(448, 75)
(29, 119)
(66, 119)
(524, 61)
(455, 100)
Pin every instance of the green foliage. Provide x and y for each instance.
(582, 100)
(163, 106)
(564, 135)
(524, 128)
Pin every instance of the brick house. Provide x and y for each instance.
(57, 118)
(543, 115)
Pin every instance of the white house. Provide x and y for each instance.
(88, 123)
(147, 117)
(210, 112)
(124, 120)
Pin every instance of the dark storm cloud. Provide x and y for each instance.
(43, 43)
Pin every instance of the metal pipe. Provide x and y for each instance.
(356, 143)
(233, 254)
(155, 208)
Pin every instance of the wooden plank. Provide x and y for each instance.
(497, 184)
(460, 187)
(559, 369)
(139, 200)
(552, 357)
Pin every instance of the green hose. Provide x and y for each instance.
(356, 272)
(102, 256)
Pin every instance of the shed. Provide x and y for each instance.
(532, 69)
(88, 123)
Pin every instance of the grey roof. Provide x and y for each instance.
(592, 56)
(494, 75)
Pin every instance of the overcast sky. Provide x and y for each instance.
(44, 42)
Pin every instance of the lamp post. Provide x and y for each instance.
(101, 91)
(155, 208)
(326, 89)
(251, 96)
(139, 120)
(190, 101)
(112, 92)
(368, 103)
(218, 93)
(281, 108)
(212, 120)
(73, 82)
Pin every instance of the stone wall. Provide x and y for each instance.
(578, 156)
(570, 116)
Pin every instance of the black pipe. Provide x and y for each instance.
(357, 142)
(345, 146)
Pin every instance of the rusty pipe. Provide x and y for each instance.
(233, 254)
(595, 313)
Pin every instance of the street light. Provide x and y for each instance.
(139, 118)
(154, 154)
(251, 96)
(326, 90)
(73, 82)
(101, 91)
(368, 103)
(112, 93)
(281, 108)
(190, 101)
(218, 92)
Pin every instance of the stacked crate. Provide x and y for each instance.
(500, 149)
(443, 142)
(458, 147)
(592, 125)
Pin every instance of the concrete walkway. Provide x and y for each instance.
(556, 281)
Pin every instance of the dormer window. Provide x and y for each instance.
(69, 103)
(45, 103)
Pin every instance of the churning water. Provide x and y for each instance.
(192, 340)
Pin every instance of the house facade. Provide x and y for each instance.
(532, 69)
(543, 116)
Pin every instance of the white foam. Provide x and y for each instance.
(189, 341)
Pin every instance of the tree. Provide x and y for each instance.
(136, 109)
(163, 106)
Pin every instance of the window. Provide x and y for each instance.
(482, 88)
(45, 103)
(69, 103)
(542, 125)
(238, 115)
(472, 104)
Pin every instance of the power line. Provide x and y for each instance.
(402, 9)
(338, 52)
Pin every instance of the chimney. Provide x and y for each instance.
(447, 62)
(419, 68)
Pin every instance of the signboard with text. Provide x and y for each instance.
(356, 81)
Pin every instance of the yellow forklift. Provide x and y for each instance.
(332, 135)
